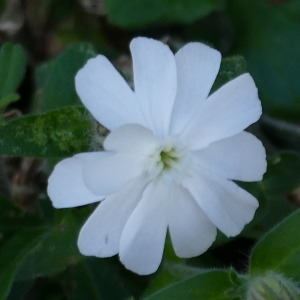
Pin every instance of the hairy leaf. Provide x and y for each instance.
(58, 133)
(279, 249)
(211, 285)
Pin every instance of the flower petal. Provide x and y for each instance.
(100, 235)
(66, 187)
(133, 138)
(228, 206)
(142, 241)
(197, 68)
(240, 157)
(111, 171)
(155, 81)
(225, 113)
(192, 233)
(106, 94)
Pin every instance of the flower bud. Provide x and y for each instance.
(272, 286)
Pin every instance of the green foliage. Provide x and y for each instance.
(230, 68)
(13, 254)
(136, 13)
(281, 177)
(46, 247)
(275, 257)
(279, 250)
(41, 250)
(56, 248)
(272, 286)
(201, 286)
(170, 274)
(96, 279)
(283, 173)
(268, 38)
(58, 133)
(12, 69)
(13, 218)
(55, 79)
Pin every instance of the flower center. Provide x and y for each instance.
(169, 158)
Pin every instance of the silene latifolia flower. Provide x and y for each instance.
(170, 159)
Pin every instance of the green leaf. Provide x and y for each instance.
(41, 251)
(281, 177)
(13, 218)
(56, 79)
(19, 289)
(230, 68)
(95, 278)
(12, 255)
(8, 99)
(57, 248)
(283, 173)
(272, 209)
(12, 68)
(58, 133)
(212, 285)
(268, 37)
(279, 250)
(140, 13)
(170, 274)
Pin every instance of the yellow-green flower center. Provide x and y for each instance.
(168, 158)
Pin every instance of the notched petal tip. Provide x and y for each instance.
(246, 216)
(106, 94)
(246, 81)
(191, 232)
(197, 67)
(139, 269)
(99, 60)
(145, 41)
(155, 82)
(142, 241)
(201, 48)
(227, 205)
(262, 164)
(225, 113)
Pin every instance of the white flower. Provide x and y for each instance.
(170, 158)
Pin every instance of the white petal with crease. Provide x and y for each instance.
(192, 233)
(197, 68)
(100, 235)
(154, 81)
(66, 187)
(225, 113)
(106, 94)
(142, 241)
(240, 157)
(134, 138)
(228, 206)
(112, 171)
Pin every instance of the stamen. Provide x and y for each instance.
(169, 157)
